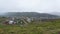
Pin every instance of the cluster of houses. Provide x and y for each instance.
(24, 20)
(18, 20)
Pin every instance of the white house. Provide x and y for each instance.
(29, 20)
(11, 22)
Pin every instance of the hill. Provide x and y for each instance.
(55, 13)
(29, 14)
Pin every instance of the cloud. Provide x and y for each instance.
(29, 5)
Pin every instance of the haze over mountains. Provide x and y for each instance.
(55, 13)
(29, 14)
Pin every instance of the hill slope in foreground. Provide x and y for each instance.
(32, 28)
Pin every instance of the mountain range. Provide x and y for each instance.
(29, 14)
(55, 13)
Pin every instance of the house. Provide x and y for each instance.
(11, 22)
(28, 19)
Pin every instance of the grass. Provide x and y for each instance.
(32, 28)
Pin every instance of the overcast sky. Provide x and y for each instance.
(29, 5)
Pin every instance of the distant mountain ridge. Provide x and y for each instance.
(29, 14)
(55, 13)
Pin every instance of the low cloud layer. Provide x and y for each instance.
(29, 5)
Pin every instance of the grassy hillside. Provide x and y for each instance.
(32, 28)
